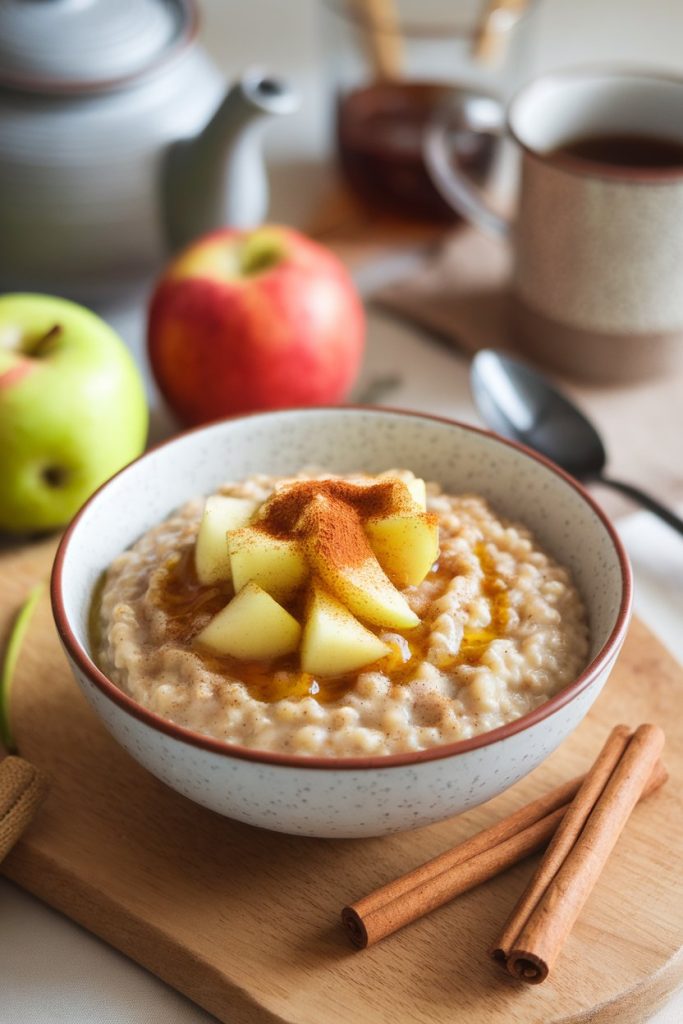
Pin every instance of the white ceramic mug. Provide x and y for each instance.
(598, 247)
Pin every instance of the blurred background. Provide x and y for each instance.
(344, 164)
(296, 40)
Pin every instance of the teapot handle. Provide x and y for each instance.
(465, 112)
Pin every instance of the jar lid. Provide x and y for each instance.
(59, 46)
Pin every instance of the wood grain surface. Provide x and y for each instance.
(246, 922)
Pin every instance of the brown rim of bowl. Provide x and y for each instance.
(604, 657)
(61, 87)
(596, 168)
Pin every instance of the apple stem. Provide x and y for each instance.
(260, 252)
(44, 344)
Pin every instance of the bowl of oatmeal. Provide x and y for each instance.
(341, 622)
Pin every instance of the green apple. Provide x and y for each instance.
(72, 409)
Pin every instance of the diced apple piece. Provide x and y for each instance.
(418, 491)
(340, 554)
(333, 641)
(406, 545)
(415, 487)
(221, 513)
(278, 565)
(252, 627)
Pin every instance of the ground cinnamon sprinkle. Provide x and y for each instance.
(334, 511)
(337, 529)
(283, 510)
(376, 500)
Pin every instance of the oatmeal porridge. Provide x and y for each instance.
(451, 641)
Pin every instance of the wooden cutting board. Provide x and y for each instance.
(245, 922)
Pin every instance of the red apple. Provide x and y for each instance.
(249, 320)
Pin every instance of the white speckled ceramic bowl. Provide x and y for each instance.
(351, 796)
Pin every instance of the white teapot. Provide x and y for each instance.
(119, 142)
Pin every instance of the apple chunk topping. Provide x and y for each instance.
(341, 556)
(277, 564)
(406, 545)
(418, 491)
(413, 485)
(340, 549)
(221, 514)
(252, 627)
(333, 641)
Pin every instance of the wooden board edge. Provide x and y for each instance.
(60, 888)
(638, 1004)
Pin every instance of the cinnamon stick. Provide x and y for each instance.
(564, 838)
(367, 923)
(472, 862)
(536, 930)
(492, 34)
(382, 36)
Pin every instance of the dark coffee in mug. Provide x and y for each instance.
(623, 150)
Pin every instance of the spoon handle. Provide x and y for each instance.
(648, 502)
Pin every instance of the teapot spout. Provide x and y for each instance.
(217, 178)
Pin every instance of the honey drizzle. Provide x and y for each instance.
(188, 606)
(475, 642)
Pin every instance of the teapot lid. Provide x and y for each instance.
(67, 46)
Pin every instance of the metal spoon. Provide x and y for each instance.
(519, 403)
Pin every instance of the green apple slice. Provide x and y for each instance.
(406, 545)
(277, 564)
(333, 641)
(9, 662)
(252, 627)
(414, 485)
(330, 530)
(418, 491)
(222, 513)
